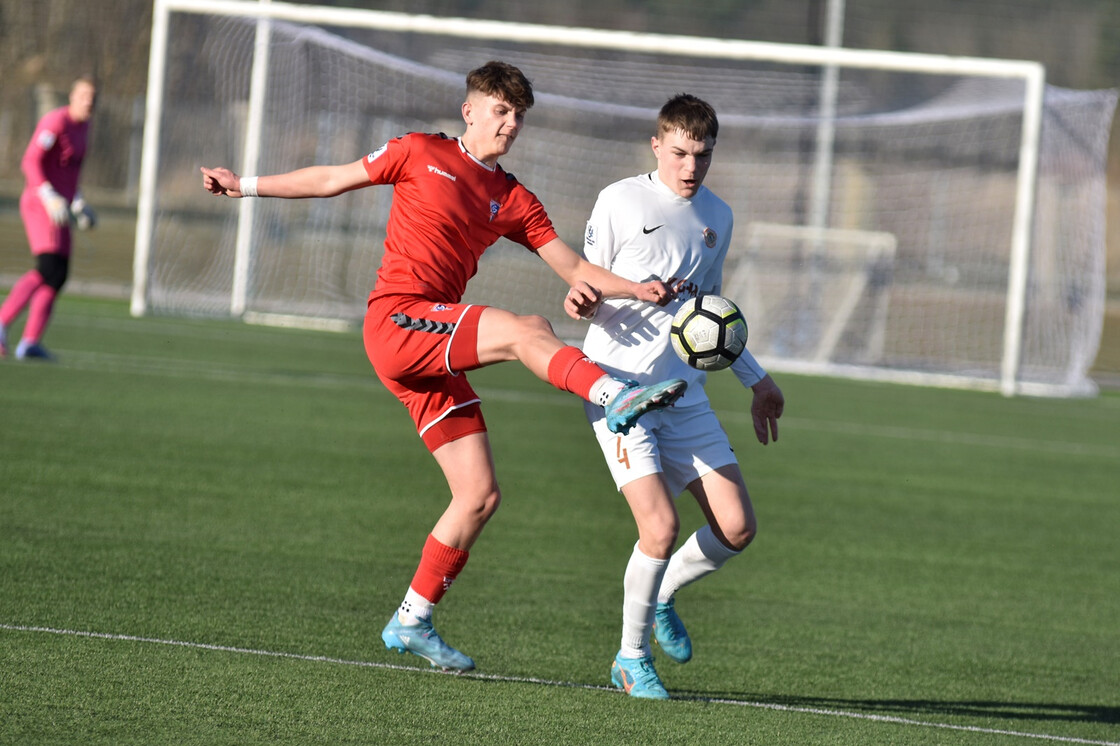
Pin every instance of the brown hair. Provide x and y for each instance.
(504, 81)
(688, 114)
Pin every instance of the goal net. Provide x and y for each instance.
(816, 295)
(898, 216)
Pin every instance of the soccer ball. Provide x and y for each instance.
(709, 332)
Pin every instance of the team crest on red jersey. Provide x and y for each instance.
(494, 207)
(709, 238)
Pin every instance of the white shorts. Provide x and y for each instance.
(683, 444)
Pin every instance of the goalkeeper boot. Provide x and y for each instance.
(27, 350)
(423, 640)
(670, 634)
(635, 400)
(637, 677)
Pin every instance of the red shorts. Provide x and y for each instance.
(420, 349)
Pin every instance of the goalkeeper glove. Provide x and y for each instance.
(84, 216)
(57, 209)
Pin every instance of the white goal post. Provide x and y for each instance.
(256, 261)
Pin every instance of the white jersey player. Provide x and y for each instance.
(667, 225)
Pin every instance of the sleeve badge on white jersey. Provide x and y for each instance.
(589, 235)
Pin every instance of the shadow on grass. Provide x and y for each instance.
(900, 708)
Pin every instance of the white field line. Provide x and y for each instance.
(547, 682)
(193, 369)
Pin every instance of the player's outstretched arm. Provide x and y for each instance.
(766, 409)
(313, 181)
(578, 273)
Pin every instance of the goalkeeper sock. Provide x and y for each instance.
(700, 555)
(19, 295)
(571, 370)
(42, 303)
(640, 583)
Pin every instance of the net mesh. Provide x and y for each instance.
(931, 160)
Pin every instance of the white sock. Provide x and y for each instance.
(414, 608)
(643, 576)
(604, 390)
(700, 555)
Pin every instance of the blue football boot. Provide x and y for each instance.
(637, 677)
(635, 400)
(670, 634)
(423, 640)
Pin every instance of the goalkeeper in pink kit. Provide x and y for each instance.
(451, 201)
(51, 167)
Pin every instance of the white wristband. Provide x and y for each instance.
(248, 186)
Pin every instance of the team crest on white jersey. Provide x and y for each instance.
(589, 235)
(709, 238)
(494, 207)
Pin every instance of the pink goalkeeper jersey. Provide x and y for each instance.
(447, 209)
(55, 153)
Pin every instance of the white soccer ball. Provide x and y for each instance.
(709, 332)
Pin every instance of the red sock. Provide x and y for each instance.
(439, 566)
(571, 370)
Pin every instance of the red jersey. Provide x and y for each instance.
(447, 209)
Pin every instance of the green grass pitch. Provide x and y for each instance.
(204, 526)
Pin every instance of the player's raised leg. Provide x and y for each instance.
(504, 336)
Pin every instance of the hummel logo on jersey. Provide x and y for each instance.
(441, 172)
(647, 231)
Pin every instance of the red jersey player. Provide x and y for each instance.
(451, 201)
(51, 166)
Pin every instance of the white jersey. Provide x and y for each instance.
(641, 230)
